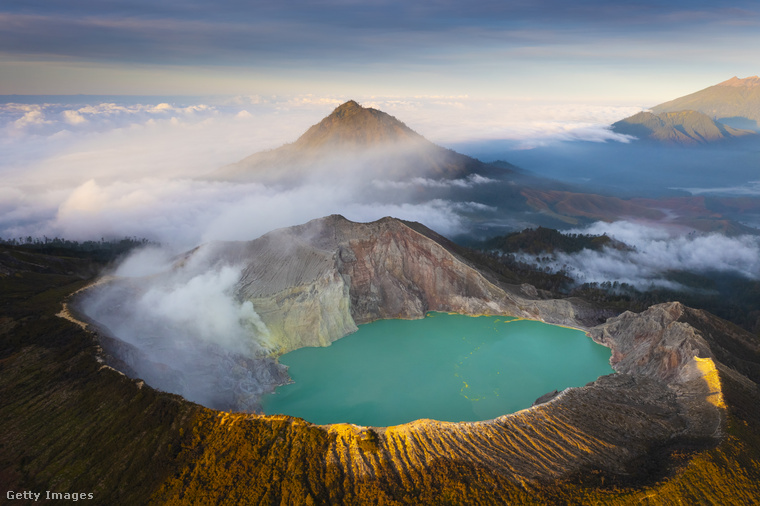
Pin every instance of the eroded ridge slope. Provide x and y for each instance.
(311, 284)
(664, 393)
(630, 438)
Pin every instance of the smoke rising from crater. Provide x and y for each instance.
(179, 326)
(88, 171)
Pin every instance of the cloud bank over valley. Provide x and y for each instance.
(655, 252)
(91, 167)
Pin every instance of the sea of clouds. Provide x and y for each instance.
(91, 167)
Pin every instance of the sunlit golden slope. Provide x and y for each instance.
(682, 127)
(679, 424)
(737, 99)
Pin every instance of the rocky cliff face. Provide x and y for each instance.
(313, 283)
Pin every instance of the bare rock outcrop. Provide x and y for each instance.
(312, 284)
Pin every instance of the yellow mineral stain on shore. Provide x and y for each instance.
(710, 374)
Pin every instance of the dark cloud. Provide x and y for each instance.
(227, 32)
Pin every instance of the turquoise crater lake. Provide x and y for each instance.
(447, 367)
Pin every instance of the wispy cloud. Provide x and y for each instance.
(482, 42)
(467, 182)
(656, 251)
(185, 330)
(751, 188)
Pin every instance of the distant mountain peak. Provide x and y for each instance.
(747, 82)
(735, 103)
(347, 107)
(350, 124)
(387, 148)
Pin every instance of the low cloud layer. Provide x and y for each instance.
(657, 250)
(114, 169)
(750, 189)
(466, 182)
(89, 167)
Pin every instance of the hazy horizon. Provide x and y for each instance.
(90, 168)
(646, 51)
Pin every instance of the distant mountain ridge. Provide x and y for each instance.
(382, 160)
(682, 127)
(735, 102)
(354, 138)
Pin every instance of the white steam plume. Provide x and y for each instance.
(178, 325)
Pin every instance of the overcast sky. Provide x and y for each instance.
(645, 51)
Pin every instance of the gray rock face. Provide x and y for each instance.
(312, 284)
(661, 346)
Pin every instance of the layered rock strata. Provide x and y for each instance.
(312, 284)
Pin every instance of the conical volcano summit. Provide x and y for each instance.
(353, 141)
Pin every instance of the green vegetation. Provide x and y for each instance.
(547, 240)
(66, 423)
(729, 296)
(97, 251)
(500, 267)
